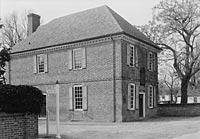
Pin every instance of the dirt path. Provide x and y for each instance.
(159, 128)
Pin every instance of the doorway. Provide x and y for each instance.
(42, 113)
(142, 104)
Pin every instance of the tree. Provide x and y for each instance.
(15, 29)
(4, 57)
(176, 27)
(171, 81)
(12, 31)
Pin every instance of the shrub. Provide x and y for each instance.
(20, 99)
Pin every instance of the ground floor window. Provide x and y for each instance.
(131, 96)
(78, 97)
(151, 96)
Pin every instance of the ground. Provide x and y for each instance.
(156, 128)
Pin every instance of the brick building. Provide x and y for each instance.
(106, 68)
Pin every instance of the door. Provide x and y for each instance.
(141, 105)
(43, 108)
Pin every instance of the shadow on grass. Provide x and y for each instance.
(53, 136)
(170, 118)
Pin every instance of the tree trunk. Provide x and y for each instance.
(184, 90)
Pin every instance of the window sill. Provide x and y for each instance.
(40, 73)
(77, 110)
(77, 69)
(42, 118)
(131, 109)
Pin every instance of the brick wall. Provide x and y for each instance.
(97, 76)
(18, 126)
(99, 63)
(132, 75)
(179, 110)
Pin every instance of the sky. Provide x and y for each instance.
(137, 12)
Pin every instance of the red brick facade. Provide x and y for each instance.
(114, 87)
(178, 110)
(104, 102)
(18, 126)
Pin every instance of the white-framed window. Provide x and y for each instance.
(40, 63)
(77, 58)
(78, 97)
(131, 96)
(150, 61)
(151, 96)
(132, 55)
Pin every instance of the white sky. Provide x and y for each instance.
(137, 12)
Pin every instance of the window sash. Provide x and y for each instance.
(132, 55)
(131, 96)
(77, 58)
(78, 97)
(151, 96)
(41, 63)
(151, 61)
(132, 58)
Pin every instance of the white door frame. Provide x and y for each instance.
(143, 93)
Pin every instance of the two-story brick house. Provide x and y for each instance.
(106, 68)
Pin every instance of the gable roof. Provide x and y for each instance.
(92, 23)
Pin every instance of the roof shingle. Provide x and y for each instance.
(83, 25)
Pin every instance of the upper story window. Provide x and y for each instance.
(40, 63)
(77, 58)
(151, 61)
(132, 55)
(40, 60)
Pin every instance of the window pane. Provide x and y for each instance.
(78, 97)
(132, 96)
(131, 56)
(77, 55)
(150, 96)
(40, 62)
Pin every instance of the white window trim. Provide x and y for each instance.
(133, 47)
(73, 58)
(40, 55)
(75, 98)
(150, 60)
(136, 57)
(152, 96)
(134, 97)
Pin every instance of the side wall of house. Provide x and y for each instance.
(97, 76)
(132, 75)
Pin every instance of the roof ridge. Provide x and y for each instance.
(74, 13)
(113, 18)
(119, 19)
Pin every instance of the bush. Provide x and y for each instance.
(20, 99)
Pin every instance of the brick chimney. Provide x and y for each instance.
(33, 23)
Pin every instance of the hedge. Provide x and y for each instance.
(20, 99)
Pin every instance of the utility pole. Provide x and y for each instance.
(57, 110)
